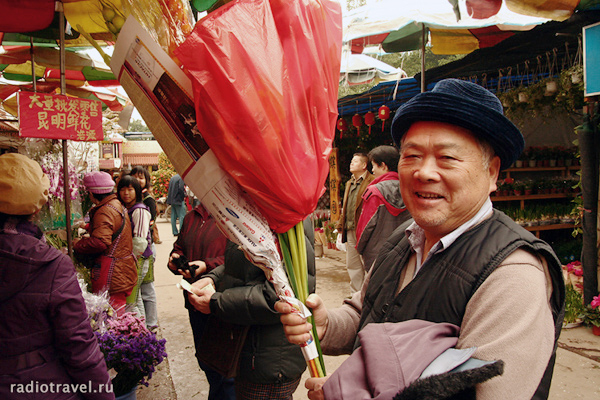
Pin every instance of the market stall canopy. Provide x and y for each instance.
(356, 69)
(546, 49)
(26, 15)
(392, 94)
(80, 68)
(38, 18)
(397, 26)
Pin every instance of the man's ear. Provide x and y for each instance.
(494, 171)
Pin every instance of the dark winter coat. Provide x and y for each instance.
(45, 335)
(444, 286)
(246, 297)
(176, 193)
(200, 239)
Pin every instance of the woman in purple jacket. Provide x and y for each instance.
(47, 348)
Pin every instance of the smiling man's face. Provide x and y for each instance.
(444, 179)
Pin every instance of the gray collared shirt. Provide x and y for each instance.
(416, 235)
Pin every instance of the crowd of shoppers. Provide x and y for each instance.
(426, 252)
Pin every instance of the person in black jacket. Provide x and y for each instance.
(270, 367)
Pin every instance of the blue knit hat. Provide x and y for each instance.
(467, 105)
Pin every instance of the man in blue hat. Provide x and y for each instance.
(458, 260)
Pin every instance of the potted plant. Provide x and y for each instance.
(574, 308)
(518, 188)
(529, 157)
(591, 316)
(528, 187)
(520, 163)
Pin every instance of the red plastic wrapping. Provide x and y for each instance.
(265, 76)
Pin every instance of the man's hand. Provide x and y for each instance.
(315, 388)
(203, 289)
(297, 330)
(200, 270)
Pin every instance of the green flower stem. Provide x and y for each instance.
(287, 259)
(293, 248)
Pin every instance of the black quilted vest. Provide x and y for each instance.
(445, 283)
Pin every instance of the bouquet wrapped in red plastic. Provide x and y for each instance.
(265, 78)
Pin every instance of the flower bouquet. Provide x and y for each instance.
(266, 105)
(131, 350)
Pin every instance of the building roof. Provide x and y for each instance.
(140, 159)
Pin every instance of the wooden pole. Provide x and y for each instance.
(65, 149)
(423, 42)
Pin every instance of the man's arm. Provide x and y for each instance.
(509, 318)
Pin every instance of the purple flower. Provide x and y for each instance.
(132, 350)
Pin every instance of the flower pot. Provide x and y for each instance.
(551, 88)
(571, 325)
(532, 163)
(596, 330)
(552, 163)
(128, 396)
(523, 97)
(318, 250)
(528, 192)
(519, 164)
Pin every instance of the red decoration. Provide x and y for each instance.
(357, 121)
(342, 126)
(482, 9)
(370, 120)
(384, 114)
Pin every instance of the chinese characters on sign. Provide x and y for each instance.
(334, 185)
(51, 116)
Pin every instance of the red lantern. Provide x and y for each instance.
(357, 121)
(370, 120)
(384, 113)
(342, 126)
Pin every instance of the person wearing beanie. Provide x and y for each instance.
(45, 335)
(458, 260)
(108, 248)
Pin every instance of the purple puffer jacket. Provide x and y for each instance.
(47, 348)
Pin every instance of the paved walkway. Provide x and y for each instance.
(576, 374)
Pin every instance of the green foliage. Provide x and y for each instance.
(137, 125)
(410, 62)
(524, 102)
(352, 4)
(574, 308)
